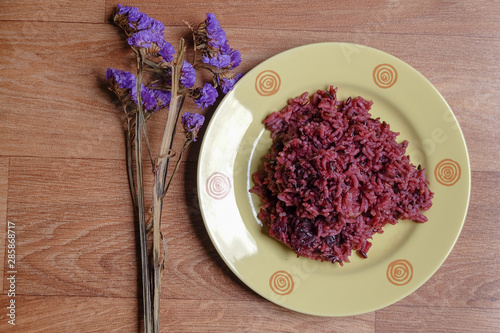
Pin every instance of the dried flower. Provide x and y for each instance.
(153, 99)
(148, 99)
(162, 98)
(125, 87)
(225, 57)
(188, 75)
(145, 39)
(192, 123)
(129, 18)
(167, 52)
(207, 96)
(122, 79)
(144, 31)
(227, 83)
(216, 36)
(121, 10)
(217, 60)
(123, 84)
(148, 23)
(132, 20)
(153, 41)
(234, 55)
(166, 85)
(212, 43)
(235, 58)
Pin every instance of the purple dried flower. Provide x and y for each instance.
(123, 9)
(126, 80)
(235, 58)
(208, 95)
(137, 20)
(133, 15)
(133, 93)
(167, 52)
(156, 27)
(125, 17)
(144, 31)
(215, 34)
(212, 24)
(145, 39)
(152, 99)
(192, 123)
(188, 75)
(227, 84)
(144, 22)
(123, 79)
(218, 60)
(148, 99)
(162, 98)
(214, 45)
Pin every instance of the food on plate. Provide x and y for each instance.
(334, 177)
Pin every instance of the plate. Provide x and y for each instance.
(401, 259)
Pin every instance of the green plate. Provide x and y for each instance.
(401, 259)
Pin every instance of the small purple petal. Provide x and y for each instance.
(123, 79)
(148, 99)
(133, 93)
(208, 96)
(162, 98)
(133, 14)
(167, 52)
(215, 34)
(157, 28)
(188, 75)
(235, 58)
(109, 73)
(144, 22)
(218, 60)
(143, 38)
(225, 49)
(212, 22)
(192, 123)
(228, 84)
(122, 9)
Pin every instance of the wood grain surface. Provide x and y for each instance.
(63, 179)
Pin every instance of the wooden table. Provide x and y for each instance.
(63, 178)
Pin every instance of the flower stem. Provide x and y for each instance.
(130, 169)
(139, 122)
(179, 160)
(160, 179)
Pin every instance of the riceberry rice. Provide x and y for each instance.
(334, 177)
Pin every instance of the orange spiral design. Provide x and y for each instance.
(281, 283)
(385, 76)
(218, 185)
(399, 272)
(447, 172)
(267, 83)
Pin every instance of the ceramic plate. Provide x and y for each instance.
(406, 254)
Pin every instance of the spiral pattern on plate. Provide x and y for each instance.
(218, 185)
(399, 272)
(447, 172)
(281, 283)
(385, 76)
(267, 83)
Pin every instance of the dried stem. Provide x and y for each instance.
(181, 155)
(146, 284)
(130, 169)
(160, 179)
(147, 143)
